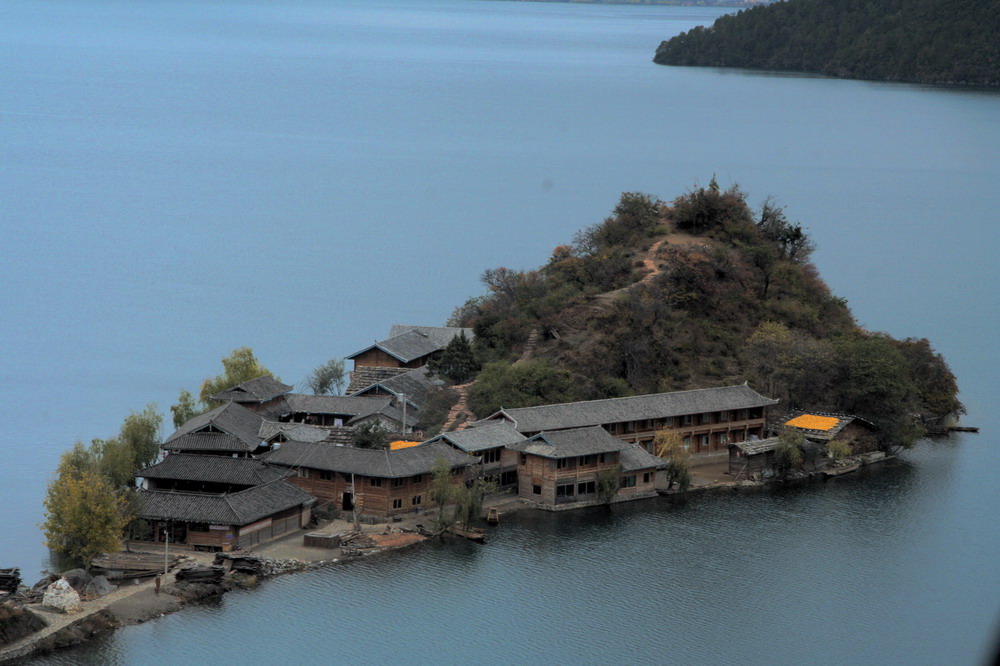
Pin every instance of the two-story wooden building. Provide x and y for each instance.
(489, 442)
(229, 430)
(408, 346)
(378, 483)
(708, 420)
(564, 469)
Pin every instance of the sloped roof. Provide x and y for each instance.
(231, 418)
(413, 342)
(338, 405)
(241, 508)
(389, 411)
(366, 462)
(754, 446)
(827, 431)
(212, 469)
(413, 384)
(635, 457)
(260, 389)
(486, 436)
(634, 408)
(297, 431)
(208, 441)
(570, 443)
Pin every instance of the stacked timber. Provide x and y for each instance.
(125, 566)
(10, 580)
(202, 574)
(352, 543)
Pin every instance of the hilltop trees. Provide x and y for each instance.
(240, 366)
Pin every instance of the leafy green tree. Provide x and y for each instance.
(442, 491)
(456, 363)
(371, 435)
(185, 409)
(534, 382)
(84, 516)
(328, 378)
(140, 433)
(670, 445)
(470, 500)
(608, 482)
(837, 449)
(788, 453)
(239, 367)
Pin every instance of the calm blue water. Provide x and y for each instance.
(178, 179)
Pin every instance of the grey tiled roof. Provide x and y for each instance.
(390, 412)
(570, 443)
(231, 418)
(487, 436)
(413, 384)
(367, 462)
(635, 457)
(241, 508)
(338, 405)
(634, 408)
(258, 390)
(208, 441)
(212, 469)
(297, 431)
(413, 342)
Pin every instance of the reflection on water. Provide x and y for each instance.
(806, 570)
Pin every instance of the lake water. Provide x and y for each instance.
(178, 179)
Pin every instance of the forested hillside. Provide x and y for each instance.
(704, 291)
(954, 42)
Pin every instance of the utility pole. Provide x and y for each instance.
(166, 547)
(403, 397)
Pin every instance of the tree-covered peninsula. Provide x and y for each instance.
(702, 291)
(949, 42)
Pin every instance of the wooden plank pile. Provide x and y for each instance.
(202, 574)
(126, 566)
(352, 543)
(10, 579)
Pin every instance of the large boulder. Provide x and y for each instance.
(99, 587)
(78, 578)
(61, 596)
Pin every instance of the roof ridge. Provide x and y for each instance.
(628, 397)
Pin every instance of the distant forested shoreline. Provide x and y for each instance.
(946, 42)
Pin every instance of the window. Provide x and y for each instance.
(564, 490)
(524, 459)
(419, 478)
(723, 417)
(397, 504)
(198, 527)
(586, 460)
(686, 420)
(508, 478)
(629, 426)
(723, 438)
(303, 472)
(536, 490)
(565, 463)
(704, 418)
(645, 477)
(647, 424)
(415, 501)
(628, 481)
(702, 440)
(325, 475)
(375, 481)
(491, 456)
(588, 488)
(602, 457)
(612, 427)
(398, 483)
(687, 442)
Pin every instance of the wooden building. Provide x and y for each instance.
(411, 385)
(207, 474)
(708, 420)
(823, 427)
(342, 411)
(229, 430)
(563, 469)
(489, 442)
(752, 457)
(225, 521)
(408, 346)
(378, 483)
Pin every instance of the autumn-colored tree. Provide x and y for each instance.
(84, 515)
(239, 367)
(670, 446)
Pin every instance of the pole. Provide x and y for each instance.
(354, 502)
(403, 396)
(166, 547)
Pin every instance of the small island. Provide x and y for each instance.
(944, 42)
(675, 346)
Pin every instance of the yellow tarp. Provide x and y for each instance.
(813, 422)
(401, 444)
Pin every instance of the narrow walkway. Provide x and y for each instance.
(529, 346)
(459, 410)
(649, 263)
